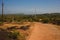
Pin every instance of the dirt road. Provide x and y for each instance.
(44, 32)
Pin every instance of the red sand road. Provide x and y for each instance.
(44, 32)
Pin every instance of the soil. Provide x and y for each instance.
(44, 32)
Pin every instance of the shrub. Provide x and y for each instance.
(24, 27)
(56, 22)
(45, 21)
(12, 28)
(13, 35)
(1, 23)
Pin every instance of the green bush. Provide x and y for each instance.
(45, 21)
(57, 22)
(13, 34)
(1, 23)
(25, 27)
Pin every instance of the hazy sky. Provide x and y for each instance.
(31, 6)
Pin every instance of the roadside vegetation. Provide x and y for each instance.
(13, 33)
(21, 33)
(53, 18)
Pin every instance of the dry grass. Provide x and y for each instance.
(18, 25)
(37, 31)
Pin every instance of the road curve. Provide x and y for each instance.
(44, 32)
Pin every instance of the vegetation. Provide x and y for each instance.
(11, 33)
(45, 18)
(24, 27)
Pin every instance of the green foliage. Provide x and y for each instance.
(1, 23)
(24, 27)
(47, 18)
(13, 35)
(45, 21)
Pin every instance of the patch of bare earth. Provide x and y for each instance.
(25, 33)
(44, 32)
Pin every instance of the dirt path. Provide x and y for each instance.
(44, 32)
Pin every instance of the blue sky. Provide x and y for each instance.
(31, 6)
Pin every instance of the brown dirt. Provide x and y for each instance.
(6, 25)
(44, 32)
(40, 31)
(3, 34)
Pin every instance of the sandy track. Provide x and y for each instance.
(44, 32)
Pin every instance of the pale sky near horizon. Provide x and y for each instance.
(31, 6)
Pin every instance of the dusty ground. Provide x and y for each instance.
(4, 33)
(14, 24)
(44, 32)
(39, 31)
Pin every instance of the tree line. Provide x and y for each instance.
(44, 18)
